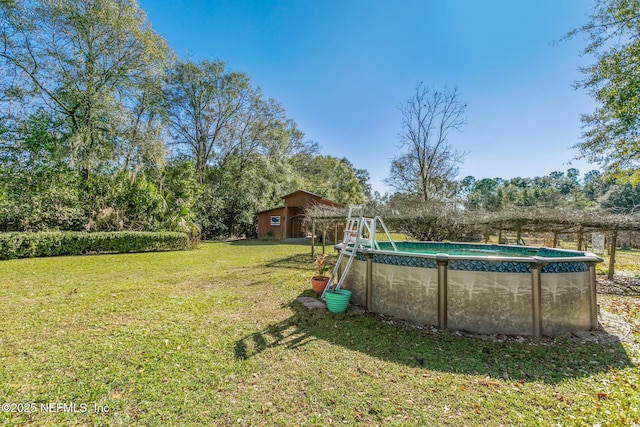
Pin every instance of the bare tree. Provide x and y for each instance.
(428, 163)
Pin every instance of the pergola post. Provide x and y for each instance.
(313, 237)
(580, 237)
(612, 254)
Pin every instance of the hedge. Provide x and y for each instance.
(26, 245)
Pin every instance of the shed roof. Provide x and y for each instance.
(316, 196)
(303, 191)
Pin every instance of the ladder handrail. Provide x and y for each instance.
(351, 243)
(386, 232)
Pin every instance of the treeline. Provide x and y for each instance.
(103, 128)
(593, 190)
(558, 190)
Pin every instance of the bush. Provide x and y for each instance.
(27, 245)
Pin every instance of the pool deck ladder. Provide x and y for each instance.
(359, 233)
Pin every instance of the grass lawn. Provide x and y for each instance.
(214, 337)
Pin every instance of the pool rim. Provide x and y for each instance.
(536, 259)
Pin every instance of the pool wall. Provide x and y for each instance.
(514, 296)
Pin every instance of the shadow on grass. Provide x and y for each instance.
(297, 261)
(300, 262)
(620, 285)
(547, 360)
(329, 247)
(267, 242)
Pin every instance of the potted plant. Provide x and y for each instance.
(319, 282)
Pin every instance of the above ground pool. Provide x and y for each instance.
(489, 289)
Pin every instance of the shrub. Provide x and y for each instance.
(27, 245)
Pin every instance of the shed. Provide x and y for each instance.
(288, 221)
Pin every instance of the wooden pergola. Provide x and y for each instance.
(324, 217)
(561, 221)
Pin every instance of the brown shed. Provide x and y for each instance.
(288, 221)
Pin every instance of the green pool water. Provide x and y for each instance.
(469, 252)
(478, 250)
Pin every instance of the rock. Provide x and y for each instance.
(311, 303)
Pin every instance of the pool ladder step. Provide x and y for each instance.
(359, 233)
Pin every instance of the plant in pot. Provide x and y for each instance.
(319, 282)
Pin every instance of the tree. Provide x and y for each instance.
(621, 198)
(202, 101)
(38, 189)
(261, 139)
(80, 120)
(241, 143)
(277, 169)
(594, 185)
(335, 179)
(429, 162)
(611, 137)
(483, 195)
(86, 62)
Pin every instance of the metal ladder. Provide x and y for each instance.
(359, 233)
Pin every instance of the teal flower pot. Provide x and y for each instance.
(338, 300)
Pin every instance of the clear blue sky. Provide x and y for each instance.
(342, 68)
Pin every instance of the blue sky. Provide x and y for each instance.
(342, 68)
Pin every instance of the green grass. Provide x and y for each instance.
(627, 263)
(214, 337)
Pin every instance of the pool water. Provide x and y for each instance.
(477, 250)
